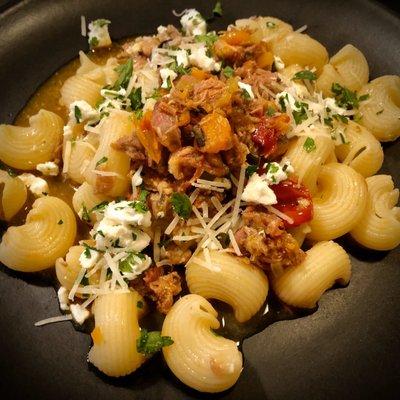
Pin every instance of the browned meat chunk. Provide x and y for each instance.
(164, 121)
(264, 240)
(176, 254)
(131, 146)
(236, 156)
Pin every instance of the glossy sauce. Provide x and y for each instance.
(47, 97)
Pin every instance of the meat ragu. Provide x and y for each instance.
(197, 163)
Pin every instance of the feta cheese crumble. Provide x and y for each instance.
(62, 295)
(88, 258)
(79, 314)
(200, 59)
(49, 168)
(247, 88)
(38, 186)
(167, 76)
(193, 23)
(279, 64)
(98, 33)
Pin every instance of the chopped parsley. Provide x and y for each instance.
(126, 265)
(305, 74)
(217, 10)
(272, 168)
(124, 75)
(345, 98)
(85, 214)
(151, 342)
(328, 121)
(88, 249)
(60, 222)
(181, 205)
(208, 39)
(300, 115)
(135, 98)
(228, 71)
(140, 205)
(179, 69)
(93, 42)
(100, 207)
(139, 304)
(78, 114)
(282, 101)
(270, 112)
(309, 145)
(251, 169)
(271, 25)
(246, 94)
(101, 161)
(156, 94)
(341, 118)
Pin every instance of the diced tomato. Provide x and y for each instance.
(294, 200)
(268, 132)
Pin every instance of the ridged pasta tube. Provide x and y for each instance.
(379, 227)
(101, 74)
(380, 112)
(299, 48)
(347, 67)
(304, 284)
(79, 87)
(307, 164)
(339, 203)
(268, 29)
(111, 177)
(67, 271)
(235, 281)
(25, 147)
(363, 152)
(199, 358)
(82, 153)
(116, 321)
(48, 233)
(14, 195)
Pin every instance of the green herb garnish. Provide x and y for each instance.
(78, 114)
(224, 239)
(345, 98)
(309, 145)
(305, 74)
(93, 42)
(271, 25)
(228, 71)
(135, 98)
(101, 161)
(85, 214)
(217, 10)
(300, 115)
(139, 304)
(270, 112)
(125, 73)
(150, 342)
(251, 169)
(181, 205)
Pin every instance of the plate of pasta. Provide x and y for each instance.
(207, 193)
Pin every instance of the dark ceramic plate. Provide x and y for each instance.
(348, 349)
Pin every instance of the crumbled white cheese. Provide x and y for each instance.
(182, 58)
(199, 58)
(86, 112)
(288, 100)
(98, 33)
(136, 180)
(36, 185)
(279, 64)
(88, 258)
(277, 172)
(258, 191)
(48, 168)
(79, 314)
(247, 88)
(137, 266)
(68, 133)
(334, 108)
(62, 294)
(193, 23)
(161, 29)
(167, 76)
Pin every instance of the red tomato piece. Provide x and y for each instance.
(294, 200)
(266, 137)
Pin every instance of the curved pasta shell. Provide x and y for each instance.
(116, 319)
(268, 29)
(339, 203)
(304, 284)
(347, 67)
(38, 243)
(25, 147)
(363, 153)
(14, 195)
(299, 48)
(117, 125)
(82, 153)
(79, 87)
(101, 74)
(237, 282)
(85, 196)
(199, 358)
(379, 228)
(67, 271)
(307, 165)
(380, 112)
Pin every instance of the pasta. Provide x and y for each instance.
(234, 281)
(308, 164)
(14, 195)
(380, 112)
(25, 147)
(303, 285)
(299, 48)
(347, 67)
(111, 177)
(379, 227)
(213, 363)
(362, 151)
(339, 204)
(48, 233)
(116, 321)
(204, 167)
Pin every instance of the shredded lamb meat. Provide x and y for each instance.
(159, 286)
(264, 240)
(131, 146)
